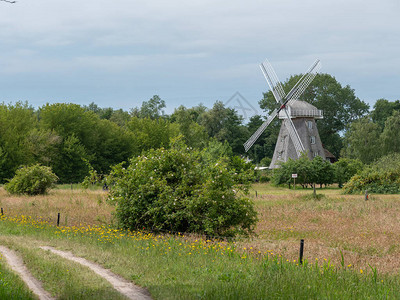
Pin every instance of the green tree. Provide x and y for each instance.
(150, 134)
(345, 168)
(70, 166)
(85, 135)
(383, 109)
(391, 134)
(340, 106)
(322, 171)
(16, 123)
(152, 108)
(225, 124)
(43, 144)
(195, 134)
(362, 141)
(119, 116)
(308, 171)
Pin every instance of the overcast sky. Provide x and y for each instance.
(119, 53)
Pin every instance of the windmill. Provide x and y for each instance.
(289, 108)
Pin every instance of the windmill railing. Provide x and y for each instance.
(314, 113)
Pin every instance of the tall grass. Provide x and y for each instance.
(11, 286)
(177, 267)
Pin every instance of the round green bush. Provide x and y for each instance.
(31, 180)
(177, 190)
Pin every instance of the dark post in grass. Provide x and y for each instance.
(2, 211)
(256, 194)
(366, 195)
(301, 251)
(58, 219)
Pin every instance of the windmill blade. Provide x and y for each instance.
(298, 145)
(304, 82)
(273, 81)
(250, 142)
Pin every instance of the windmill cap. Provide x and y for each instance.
(302, 109)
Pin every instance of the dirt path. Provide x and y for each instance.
(120, 284)
(18, 266)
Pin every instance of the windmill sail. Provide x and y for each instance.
(298, 145)
(284, 100)
(273, 81)
(259, 131)
(304, 82)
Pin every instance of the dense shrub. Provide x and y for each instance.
(179, 190)
(308, 171)
(345, 168)
(382, 177)
(31, 180)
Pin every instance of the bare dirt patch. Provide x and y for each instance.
(120, 284)
(16, 264)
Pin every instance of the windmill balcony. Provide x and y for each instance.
(302, 113)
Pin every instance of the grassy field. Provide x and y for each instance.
(366, 232)
(350, 248)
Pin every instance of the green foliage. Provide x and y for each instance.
(84, 136)
(322, 171)
(390, 138)
(362, 141)
(308, 171)
(345, 168)
(194, 133)
(382, 177)
(265, 162)
(31, 180)
(150, 109)
(92, 178)
(383, 109)
(70, 166)
(224, 124)
(16, 123)
(179, 190)
(263, 176)
(150, 134)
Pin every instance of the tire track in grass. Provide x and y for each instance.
(16, 264)
(120, 284)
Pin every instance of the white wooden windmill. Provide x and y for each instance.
(298, 132)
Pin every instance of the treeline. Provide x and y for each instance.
(376, 134)
(71, 138)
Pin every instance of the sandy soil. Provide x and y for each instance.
(120, 284)
(18, 266)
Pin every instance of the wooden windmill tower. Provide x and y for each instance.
(298, 133)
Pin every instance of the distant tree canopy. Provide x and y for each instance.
(375, 135)
(72, 139)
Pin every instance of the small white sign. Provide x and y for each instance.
(294, 175)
